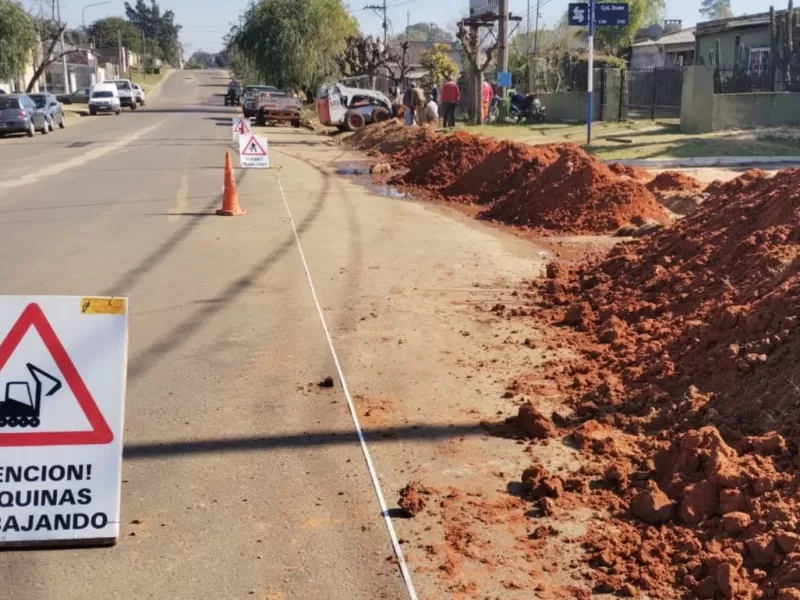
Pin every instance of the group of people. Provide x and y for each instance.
(419, 107)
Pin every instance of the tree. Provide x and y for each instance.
(716, 9)
(17, 40)
(363, 55)
(162, 29)
(425, 32)
(103, 33)
(439, 63)
(614, 40)
(292, 44)
(399, 65)
(51, 30)
(471, 45)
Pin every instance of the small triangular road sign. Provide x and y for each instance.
(241, 127)
(253, 148)
(100, 433)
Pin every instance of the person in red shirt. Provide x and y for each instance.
(487, 93)
(450, 97)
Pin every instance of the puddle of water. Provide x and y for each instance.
(389, 191)
(352, 169)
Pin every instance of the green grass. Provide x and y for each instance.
(673, 144)
(147, 80)
(548, 133)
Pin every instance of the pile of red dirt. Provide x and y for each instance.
(447, 160)
(632, 172)
(673, 181)
(392, 138)
(503, 170)
(577, 194)
(690, 343)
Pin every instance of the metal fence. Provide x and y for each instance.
(747, 81)
(560, 80)
(652, 93)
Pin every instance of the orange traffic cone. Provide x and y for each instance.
(230, 197)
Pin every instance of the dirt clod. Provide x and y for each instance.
(533, 423)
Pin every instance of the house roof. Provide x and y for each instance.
(719, 25)
(678, 38)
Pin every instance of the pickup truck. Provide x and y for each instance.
(275, 107)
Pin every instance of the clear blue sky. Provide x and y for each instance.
(206, 21)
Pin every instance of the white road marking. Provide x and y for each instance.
(398, 551)
(180, 199)
(77, 161)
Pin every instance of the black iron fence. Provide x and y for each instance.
(560, 80)
(747, 81)
(652, 93)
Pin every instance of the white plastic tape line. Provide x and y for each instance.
(398, 551)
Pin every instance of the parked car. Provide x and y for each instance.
(79, 96)
(139, 94)
(18, 114)
(250, 98)
(51, 107)
(105, 98)
(125, 89)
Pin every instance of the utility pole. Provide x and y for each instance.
(63, 49)
(381, 9)
(590, 78)
(144, 47)
(536, 44)
(119, 52)
(502, 54)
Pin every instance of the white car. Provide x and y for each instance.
(104, 98)
(125, 89)
(138, 92)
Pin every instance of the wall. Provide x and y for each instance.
(569, 106)
(646, 57)
(703, 111)
(756, 110)
(754, 36)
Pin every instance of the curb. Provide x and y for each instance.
(154, 92)
(706, 161)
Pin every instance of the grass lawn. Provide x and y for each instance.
(670, 143)
(147, 80)
(548, 133)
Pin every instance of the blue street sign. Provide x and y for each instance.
(606, 14)
(611, 14)
(578, 14)
(504, 79)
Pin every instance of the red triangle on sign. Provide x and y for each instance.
(241, 127)
(253, 148)
(100, 433)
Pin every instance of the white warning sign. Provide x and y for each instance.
(62, 391)
(239, 128)
(253, 152)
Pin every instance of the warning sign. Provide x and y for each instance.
(253, 152)
(62, 389)
(240, 127)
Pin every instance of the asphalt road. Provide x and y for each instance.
(240, 479)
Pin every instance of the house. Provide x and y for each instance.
(751, 31)
(676, 49)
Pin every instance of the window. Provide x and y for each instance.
(759, 58)
(9, 103)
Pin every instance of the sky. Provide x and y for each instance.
(206, 21)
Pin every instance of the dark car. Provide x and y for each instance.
(234, 94)
(19, 114)
(79, 96)
(51, 107)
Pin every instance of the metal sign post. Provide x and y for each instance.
(590, 77)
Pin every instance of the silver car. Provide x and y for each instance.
(19, 114)
(51, 107)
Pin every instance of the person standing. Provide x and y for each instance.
(487, 93)
(451, 96)
(418, 103)
(408, 107)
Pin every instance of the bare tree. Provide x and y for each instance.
(51, 30)
(364, 55)
(471, 43)
(399, 65)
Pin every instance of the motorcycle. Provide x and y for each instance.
(494, 110)
(530, 111)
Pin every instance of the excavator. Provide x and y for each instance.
(21, 406)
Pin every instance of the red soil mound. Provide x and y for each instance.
(447, 160)
(508, 167)
(673, 181)
(577, 194)
(632, 172)
(691, 342)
